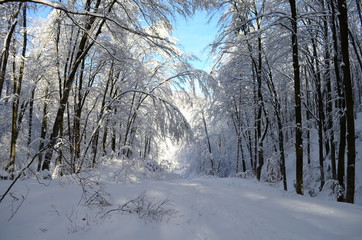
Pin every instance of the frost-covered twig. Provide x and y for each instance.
(20, 173)
(92, 191)
(145, 208)
(22, 198)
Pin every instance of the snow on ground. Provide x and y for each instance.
(201, 208)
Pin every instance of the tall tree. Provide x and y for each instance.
(348, 93)
(329, 130)
(17, 85)
(297, 99)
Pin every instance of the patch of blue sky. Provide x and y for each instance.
(194, 35)
(39, 11)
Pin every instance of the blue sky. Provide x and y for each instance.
(194, 35)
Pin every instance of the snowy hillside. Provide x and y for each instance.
(203, 208)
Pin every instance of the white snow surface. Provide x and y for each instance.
(200, 208)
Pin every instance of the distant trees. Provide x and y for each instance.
(259, 45)
(93, 81)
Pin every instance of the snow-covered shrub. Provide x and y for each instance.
(332, 190)
(273, 171)
(61, 170)
(311, 178)
(123, 169)
(248, 174)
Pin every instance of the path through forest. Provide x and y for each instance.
(203, 208)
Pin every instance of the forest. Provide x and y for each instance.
(95, 82)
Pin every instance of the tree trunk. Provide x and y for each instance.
(298, 102)
(308, 116)
(5, 51)
(30, 121)
(348, 92)
(208, 142)
(43, 131)
(260, 109)
(320, 107)
(329, 131)
(78, 98)
(251, 155)
(340, 102)
(358, 3)
(17, 92)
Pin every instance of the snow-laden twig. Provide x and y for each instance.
(145, 208)
(16, 199)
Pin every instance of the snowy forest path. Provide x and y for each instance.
(205, 208)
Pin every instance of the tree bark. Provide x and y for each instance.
(5, 51)
(208, 143)
(308, 116)
(329, 131)
(43, 131)
(260, 105)
(298, 102)
(17, 92)
(348, 92)
(340, 102)
(78, 114)
(320, 107)
(30, 120)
